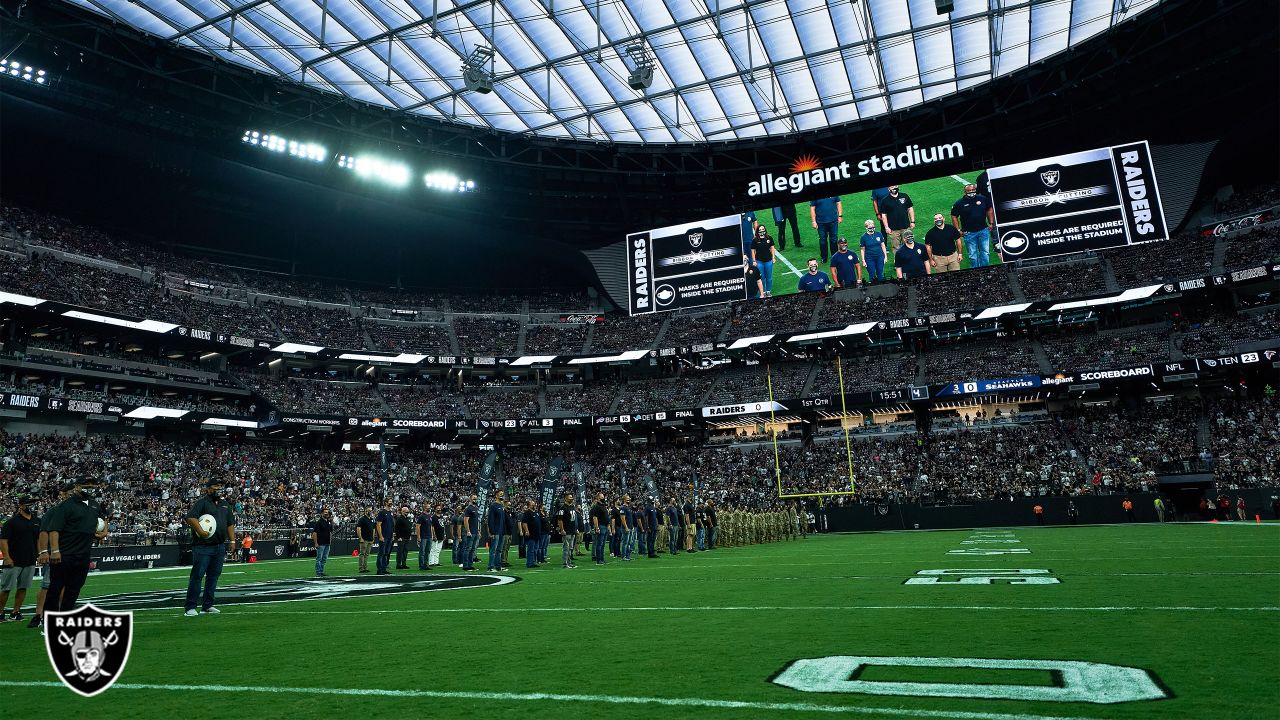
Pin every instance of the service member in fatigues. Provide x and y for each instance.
(209, 549)
(72, 527)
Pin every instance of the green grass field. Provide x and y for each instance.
(701, 636)
(928, 196)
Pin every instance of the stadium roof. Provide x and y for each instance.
(723, 69)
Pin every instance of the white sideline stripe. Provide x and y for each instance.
(787, 262)
(560, 697)
(751, 608)
(959, 179)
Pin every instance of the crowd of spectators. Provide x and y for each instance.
(965, 290)
(1259, 246)
(650, 395)
(784, 313)
(304, 395)
(978, 360)
(1255, 198)
(590, 399)
(555, 338)
(322, 326)
(486, 335)
(1183, 256)
(750, 384)
(1062, 280)
(619, 333)
(1245, 440)
(866, 373)
(1073, 350)
(408, 337)
(1125, 446)
(425, 399)
(687, 330)
(1220, 333)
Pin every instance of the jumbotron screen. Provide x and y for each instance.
(1090, 200)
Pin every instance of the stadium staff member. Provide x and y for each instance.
(814, 280)
(321, 537)
(973, 216)
(943, 243)
(384, 527)
(781, 216)
(844, 266)
(364, 535)
(755, 285)
(18, 540)
(898, 215)
(874, 255)
(208, 549)
(826, 215)
(42, 559)
(72, 526)
(245, 546)
(762, 248)
(567, 522)
(911, 260)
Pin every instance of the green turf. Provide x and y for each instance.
(1194, 604)
(928, 196)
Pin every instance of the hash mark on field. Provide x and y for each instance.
(959, 179)
(563, 697)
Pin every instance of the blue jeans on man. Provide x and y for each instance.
(766, 274)
(875, 267)
(468, 551)
(702, 538)
(424, 552)
(206, 567)
(597, 546)
(322, 557)
(826, 240)
(978, 245)
(653, 542)
(542, 549)
(495, 552)
(641, 541)
(384, 554)
(675, 534)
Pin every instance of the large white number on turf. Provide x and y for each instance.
(983, 576)
(1074, 681)
(990, 551)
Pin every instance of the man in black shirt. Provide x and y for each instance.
(208, 549)
(423, 535)
(911, 260)
(762, 255)
(384, 530)
(567, 521)
(898, 214)
(403, 531)
(755, 285)
(615, 531)
(321, 536)
(689, 514)
(532, 534)
(943, 243)
(18, 545)
(470, 534)
(674, 532)
(364, 535)
(712, 523)
(973, 216)
(651, 523)
(599, 528)
(437, 535)
(72, 526)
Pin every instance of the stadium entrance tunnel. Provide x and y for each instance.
(275, 591)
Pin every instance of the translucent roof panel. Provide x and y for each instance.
(722, 69)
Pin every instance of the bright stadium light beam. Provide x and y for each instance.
(372, 168)
(278, 144)
(447, 182)
(17, 70)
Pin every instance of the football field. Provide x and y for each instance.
(928, 197)
(1141, 621)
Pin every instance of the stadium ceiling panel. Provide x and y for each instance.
(722, 69)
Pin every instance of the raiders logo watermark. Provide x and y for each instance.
(695, 240)
(88, 647)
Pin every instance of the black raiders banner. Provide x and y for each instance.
(1087, 200)
(686, 266)
(580, 480)
(651, 487)
(549, 482)
(485, 482)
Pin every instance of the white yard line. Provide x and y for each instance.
(233, 610)
(564, 697)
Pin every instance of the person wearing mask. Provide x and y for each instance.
(364, 536)
(826, 214)
(898, 215)
(567, 523)
(384, 528)
(322, 537)
(404, 531)
(755, 284)
(208, 549)
(599, 528)
(497, 527)
(911, 260)
(815, 280)
(762, 248)
(972, 215)
(72, 527)
(872, 250)
(18, 540)
(844, 266)
(781, 216)
(943, 244)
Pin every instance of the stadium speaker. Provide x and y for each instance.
(641, 79)
(945, 6)
(477, 80)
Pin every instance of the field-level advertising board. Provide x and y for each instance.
(686, 266)
(1088, 200)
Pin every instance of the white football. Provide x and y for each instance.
(208, 524)
(102, 525)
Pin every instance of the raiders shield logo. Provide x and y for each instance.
(695, 240)
(88, 647)
(1050, 178)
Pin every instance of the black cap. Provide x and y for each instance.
(24, 498)
(215, 481)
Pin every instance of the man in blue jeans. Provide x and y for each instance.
(321, 536)
(497, 525)
(872, 248)
(826, 214)
(384, 531)
(674, 532)
(599, 528)
(208, 549)
(470, 533)
(973, 216)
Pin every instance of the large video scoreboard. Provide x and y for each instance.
(685, 266)
(1088, 200)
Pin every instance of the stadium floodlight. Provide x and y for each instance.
(475, 75)
(18, 70)
(642, 77)
(372, 168)
(275, 143)
(448, 182)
